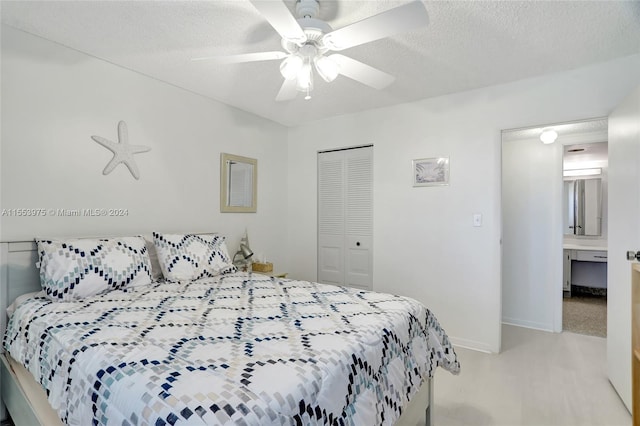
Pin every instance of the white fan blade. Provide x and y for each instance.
(362, 73)
(400, 19)
(245, 57)
(278, 15)
(288, 90)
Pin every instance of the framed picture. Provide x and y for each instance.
(431, 171)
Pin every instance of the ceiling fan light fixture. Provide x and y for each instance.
(306, 38)
(305, 78)
(291, 67)
(327, 68)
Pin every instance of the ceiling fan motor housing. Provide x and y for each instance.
(307, 8)
(314, 29)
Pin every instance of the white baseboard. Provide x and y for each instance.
(528, 324)
(471, 344)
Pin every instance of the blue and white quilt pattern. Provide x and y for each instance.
(235, 349)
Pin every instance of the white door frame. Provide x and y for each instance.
(554, 264)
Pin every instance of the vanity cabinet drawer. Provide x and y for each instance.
(591, 256)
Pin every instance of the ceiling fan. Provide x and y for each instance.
(308, 40)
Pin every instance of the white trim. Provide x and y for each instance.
(528, 324)
(473, 345)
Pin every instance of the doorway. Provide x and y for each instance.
(585, 224)
(533, 221)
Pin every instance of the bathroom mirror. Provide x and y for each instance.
(238, 184)
(583, 206)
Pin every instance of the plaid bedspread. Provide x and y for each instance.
(236, 349)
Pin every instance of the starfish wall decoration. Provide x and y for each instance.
(122, 151)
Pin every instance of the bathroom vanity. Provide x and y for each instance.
(585, 266)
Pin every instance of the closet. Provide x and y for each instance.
(345, 217)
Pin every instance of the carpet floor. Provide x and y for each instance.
(585, 314)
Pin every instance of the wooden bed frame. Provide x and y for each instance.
(20, 395)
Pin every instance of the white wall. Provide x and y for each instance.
(54, 99)
(532, 233)
(424, 243)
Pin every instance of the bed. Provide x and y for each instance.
(229, 348)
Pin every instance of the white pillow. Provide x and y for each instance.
(76, 269)
(187, 257)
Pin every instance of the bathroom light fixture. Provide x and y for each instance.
(548, 136)
(582, 172)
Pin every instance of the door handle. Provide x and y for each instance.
(633, 255)
(358, 244)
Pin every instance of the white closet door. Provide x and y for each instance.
(345, 217)
(331, 218)
(359, 217)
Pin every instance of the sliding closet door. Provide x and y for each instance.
(345, 217)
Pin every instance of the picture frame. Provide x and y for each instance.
(238, 184)
(431, 171)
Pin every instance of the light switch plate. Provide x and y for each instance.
(477, 219)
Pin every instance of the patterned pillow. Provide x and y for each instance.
(75, 269)
(191, 257)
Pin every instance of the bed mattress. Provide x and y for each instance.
(235, 349)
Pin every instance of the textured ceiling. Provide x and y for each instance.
(467, 45)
